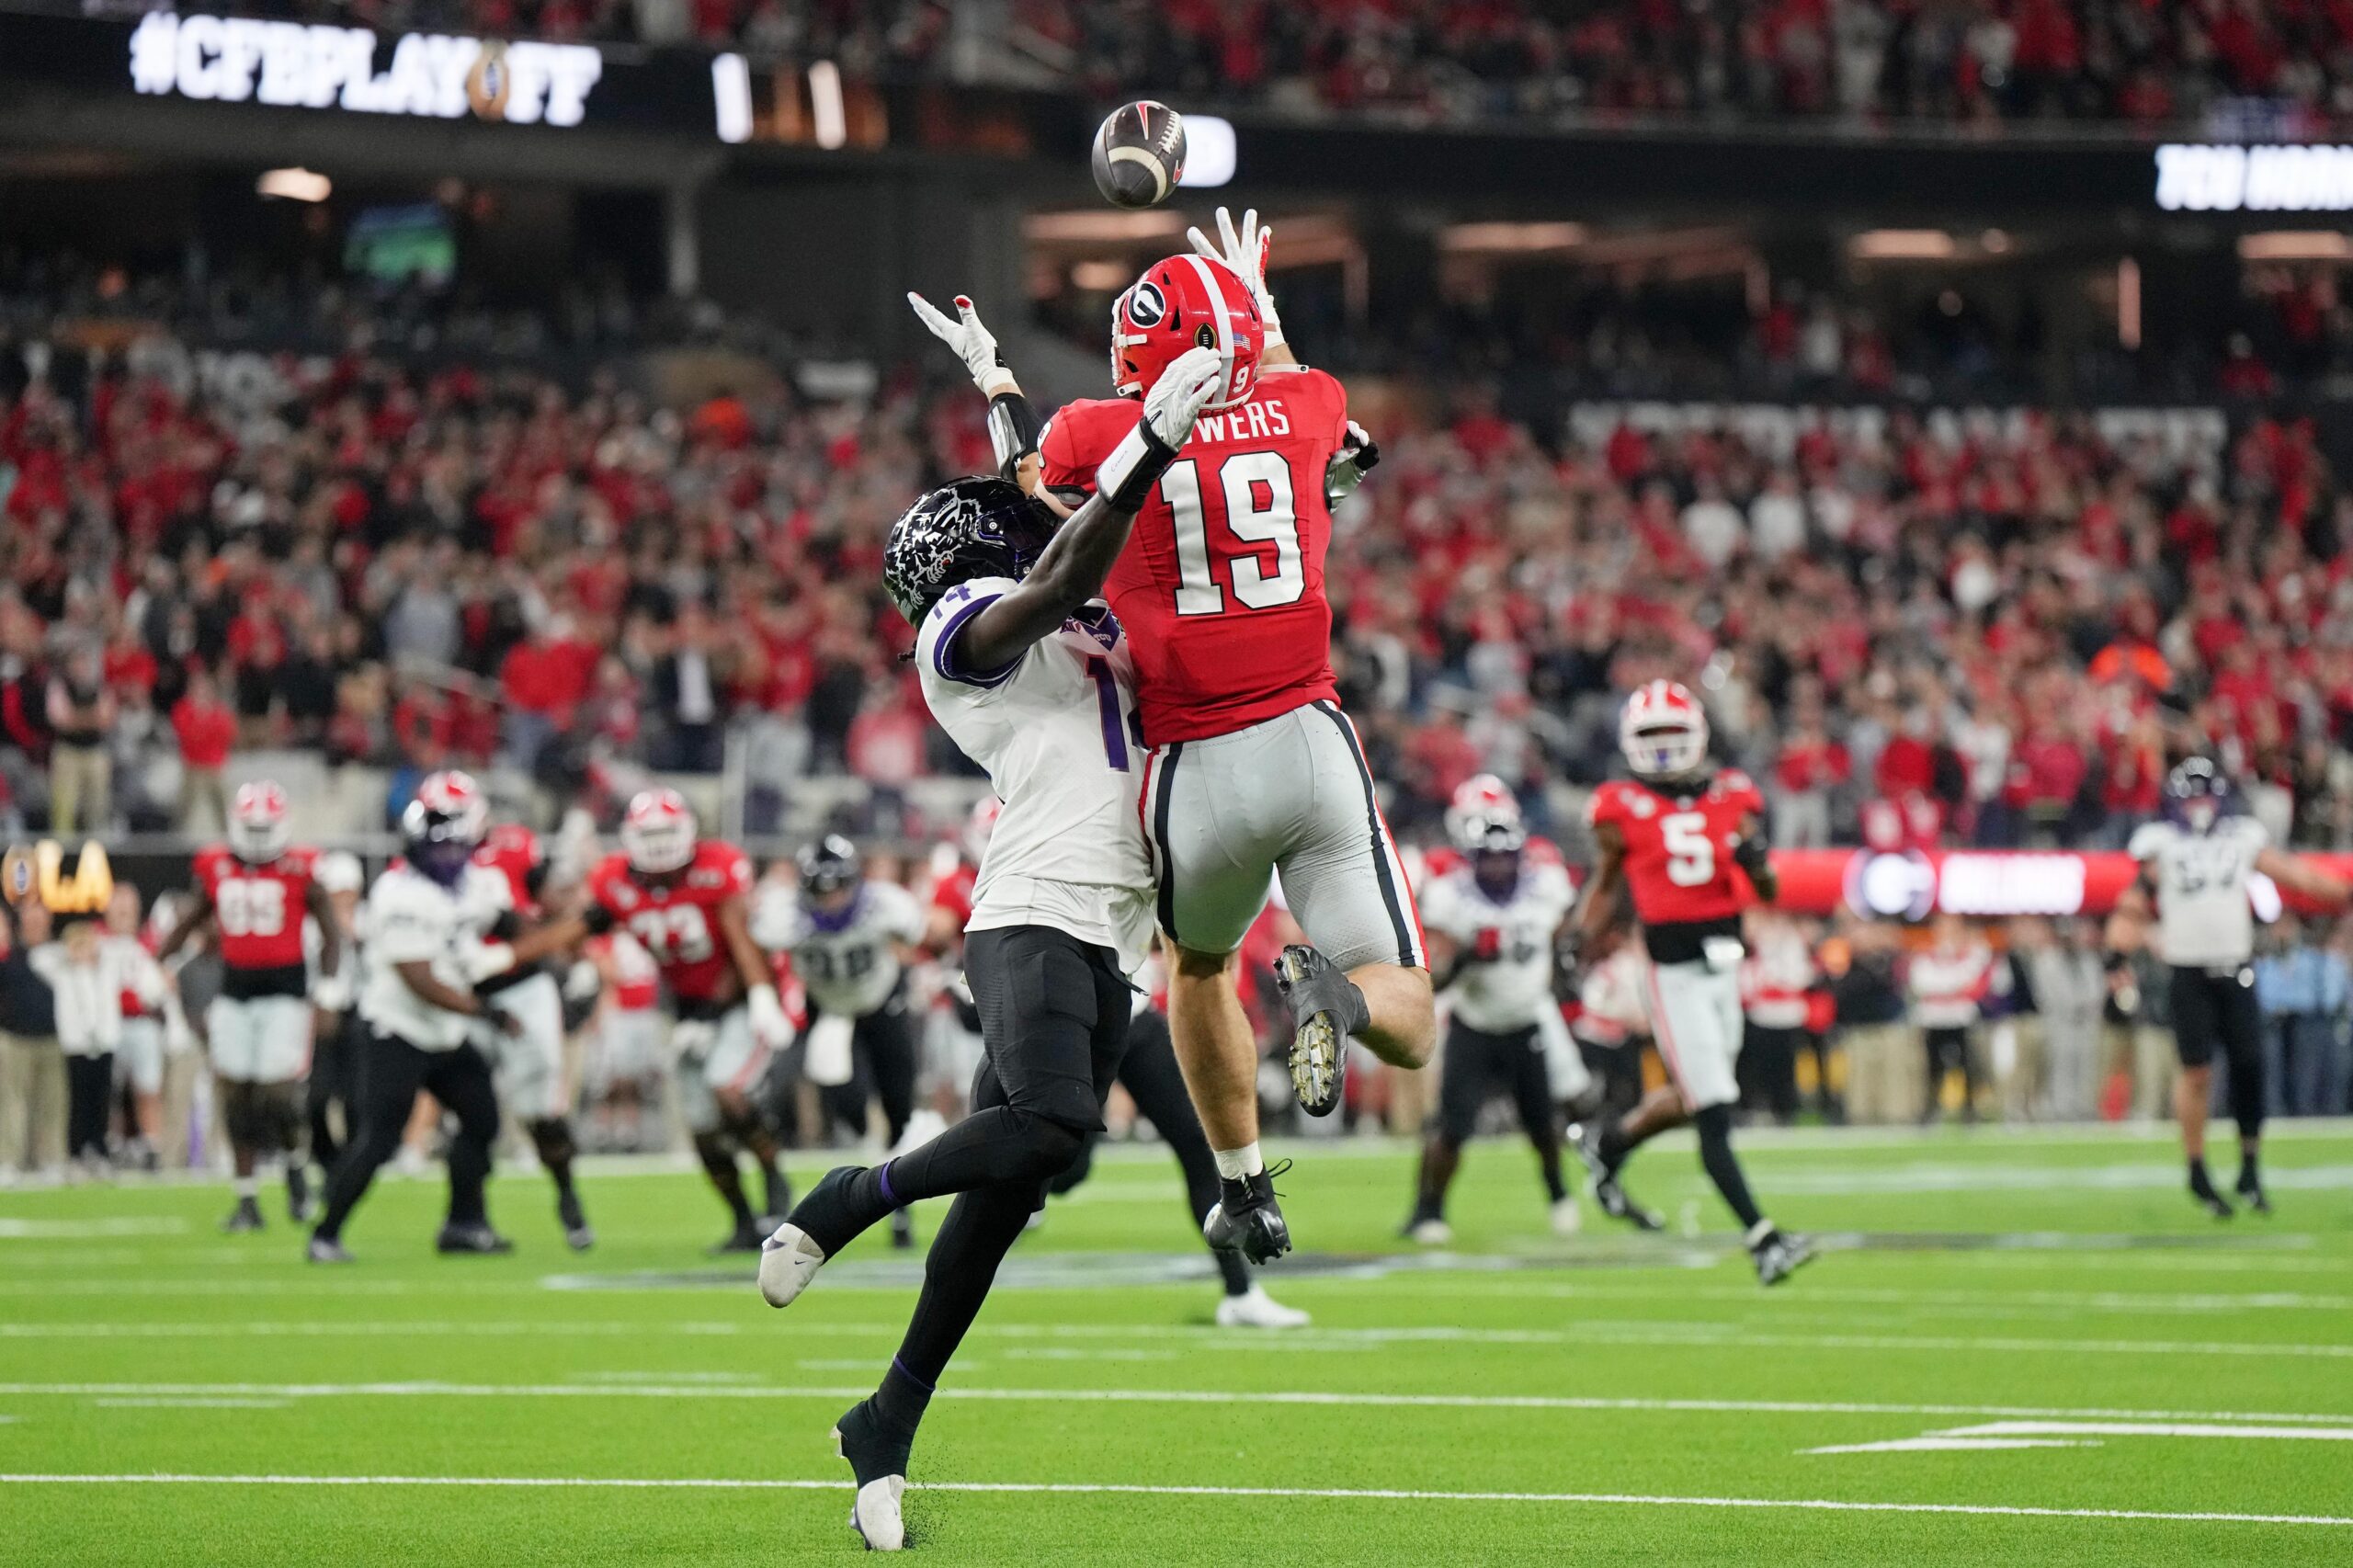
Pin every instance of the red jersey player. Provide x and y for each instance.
(255, 891)
(1253, 768)
(1686, 841)
(685, 899)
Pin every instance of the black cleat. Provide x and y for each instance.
(2251, 1193)
(471, 1240)
(577, 1234)
(2201, 1190)
(326, 1249)
(878, 1461)
(1325, 1009)
(742, 1238)
(1247, 1220)
(903, 1231)
(298, 1207)
(1607, 1192)
(1777, 1256)
(244, 1217)
(777, 1190)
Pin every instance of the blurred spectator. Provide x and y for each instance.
(1948, 986)
(207, 732)
(1774, 981)
(2070, 991)
(32, 1069)
(2305, 991)
(1883, 1060)
(81, 710)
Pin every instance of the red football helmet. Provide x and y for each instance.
(257, 830)
(1479, 800)
(1663, 731)
(658, 834)
(1185, 302)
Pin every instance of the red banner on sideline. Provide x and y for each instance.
(1982, 882)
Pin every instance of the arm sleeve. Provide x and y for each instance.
(936, 642)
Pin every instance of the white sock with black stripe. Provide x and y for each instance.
(1239, 1164)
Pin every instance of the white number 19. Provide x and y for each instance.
(1275, 522)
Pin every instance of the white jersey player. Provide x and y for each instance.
(2197, 864)
(847, 934)
(1031, 682)
(1495, 923)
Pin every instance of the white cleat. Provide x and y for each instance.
(1567, 1218)
(875, 1514)
(789, 1260)
(1254, 1309)
(1430, 1232)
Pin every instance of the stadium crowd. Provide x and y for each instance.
(1914, 625)
(1981, 64)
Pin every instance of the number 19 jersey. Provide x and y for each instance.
(1055, 731)
(1222, 585)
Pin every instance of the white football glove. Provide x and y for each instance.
(770, 1028)
(1192, 380)
(972, 342)
(1245, 253)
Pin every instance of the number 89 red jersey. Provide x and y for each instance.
(1222, 587)
(1679, 847)
(258, 910)
(676, 919)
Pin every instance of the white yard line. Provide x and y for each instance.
(687, 1386)
(192, 1403)
(1687, 1336)
(1375, 1494)
(2014, 1300)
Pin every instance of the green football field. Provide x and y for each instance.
(2018, 1348)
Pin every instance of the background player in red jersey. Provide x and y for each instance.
(1687, 842)
(686, 901)
(529, 1060)
(255, 891)
(1254, 768)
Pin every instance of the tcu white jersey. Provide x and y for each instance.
(2203, 918)
(1056, 730)
(849, 963)
(1514, 991)
(411, 918)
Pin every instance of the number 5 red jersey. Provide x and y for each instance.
(258, 910)
(1678, 847)
(1221, 586)
(676, 919)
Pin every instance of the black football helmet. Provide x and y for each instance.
(828, 866)
(2197, 793)
(981, 527)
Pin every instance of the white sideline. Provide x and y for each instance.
(1378, 1495)
(686, 1385)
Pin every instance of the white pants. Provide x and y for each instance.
(530, 1060)
(1696, 1018)
(261, 1040)
(138, 1056)
(627, 1047)
(1294, 795)
(713, 1056)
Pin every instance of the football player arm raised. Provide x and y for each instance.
(1070, 571)
(1245, 252)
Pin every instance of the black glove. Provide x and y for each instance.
(1752, 855)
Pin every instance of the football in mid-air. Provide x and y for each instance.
(1139, 154)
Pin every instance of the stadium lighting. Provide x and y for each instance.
(295, 185)
(1210, 154)
(1088, 227)
(1506, 238)
(1903, 245)
(731, 91)
(829, 123)
(2128, 303)
(2296, 244)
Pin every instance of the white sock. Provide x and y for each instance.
(249, 1187)
(1235, 1164)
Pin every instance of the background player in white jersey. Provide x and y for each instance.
(2197, 863)
(1033, 681)
(426, 919)
(847, 934)
(338, 1035)
(1494, 921)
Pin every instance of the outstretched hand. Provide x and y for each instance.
(972, 340)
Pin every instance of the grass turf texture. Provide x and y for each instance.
(2055, 1279)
